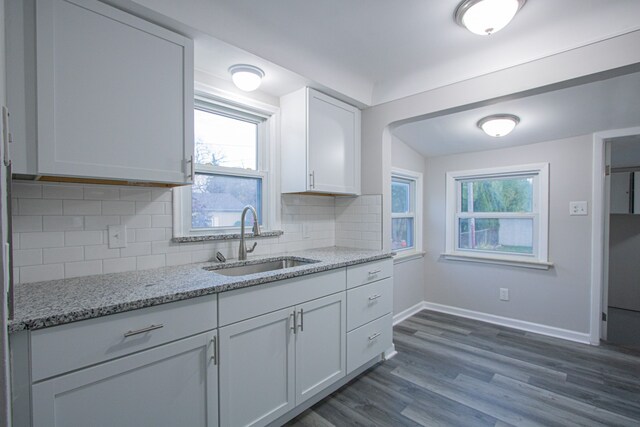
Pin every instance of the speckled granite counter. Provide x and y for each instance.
(43, 304)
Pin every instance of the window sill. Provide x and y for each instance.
(401, 257)
(226, 236)
(538, 265)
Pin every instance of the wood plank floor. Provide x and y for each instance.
(452, 371)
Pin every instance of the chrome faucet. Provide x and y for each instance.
(242, 253)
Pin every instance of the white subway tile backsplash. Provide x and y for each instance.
(146, 262)
(62, 255)
(39, 207)
(59, 191)
(101, 193)
(100, 222)
(38, 273)
(43, 239)
(136, 221)
(64, 226)
(25, 257)
(118, 265)
(82, 238)
(62, 223)
(162, 221)
(136, 249)
(27, 223)
(149, 234)
(82, 207)
(82, 268)
(118, 207)
(26, 190)
(154, 208)
(143, 194)
(100, 252)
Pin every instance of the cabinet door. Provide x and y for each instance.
(320, 345)
(333, 145)
(114, 94)
(257, 369)
(171, 385)
(621, 192)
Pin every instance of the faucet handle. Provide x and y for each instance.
(252, 247)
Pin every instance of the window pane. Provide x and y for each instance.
(497, 195)
(218, 200)
(400, 195)
(225, 141)
(513, 235)
(401, 233)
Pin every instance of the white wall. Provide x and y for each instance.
(408, 275)
(559, 297)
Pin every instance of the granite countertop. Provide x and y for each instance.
(56, 302)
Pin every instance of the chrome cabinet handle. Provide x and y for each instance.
(294, 321)
(192, 169)
(312, 179)
(374, 336)
(374, 272)
(301, 320)
(214, 353)
(143, 330)
(374, 297)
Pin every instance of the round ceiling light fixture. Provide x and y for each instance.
(485, 17)
(246, 77)
(498, 125)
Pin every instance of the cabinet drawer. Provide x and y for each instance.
(253, 301)
(358, 275)
(368, 341)
(68, 347)
(369, 302)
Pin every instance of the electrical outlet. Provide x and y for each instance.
(504, 294)
(577, 208)
(117, 236)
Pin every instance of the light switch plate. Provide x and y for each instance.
(117, 236)
(578, 208)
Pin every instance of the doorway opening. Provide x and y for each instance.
(621, 290)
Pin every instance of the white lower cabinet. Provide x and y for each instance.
(271, 363)
(171, 385)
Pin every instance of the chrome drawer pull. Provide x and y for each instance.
(374, 336)
(374, 297)
(374, 272)
(143, 330)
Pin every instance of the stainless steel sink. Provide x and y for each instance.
(260, 266)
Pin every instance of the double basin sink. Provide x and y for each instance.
(260, 266)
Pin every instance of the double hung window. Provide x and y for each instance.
(499, 214)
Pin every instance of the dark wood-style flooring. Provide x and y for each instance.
(452, 371)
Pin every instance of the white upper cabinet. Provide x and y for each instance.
(320, 144)
(112, 94)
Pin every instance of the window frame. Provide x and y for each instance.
(539, 214)
(255, 112)
(415, 201)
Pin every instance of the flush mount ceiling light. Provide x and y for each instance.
(246, 77)
(485, 17)
(498, 125)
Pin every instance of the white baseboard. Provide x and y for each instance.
(405, 314)
(390, 352)
(581, 337)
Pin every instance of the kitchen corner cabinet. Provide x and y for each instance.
(320, 138)
(97, 93)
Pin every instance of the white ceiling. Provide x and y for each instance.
(374, 51)
(613, 103)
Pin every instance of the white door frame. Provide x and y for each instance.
(599, 210)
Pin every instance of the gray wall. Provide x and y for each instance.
(408, 276)
(559, 297)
